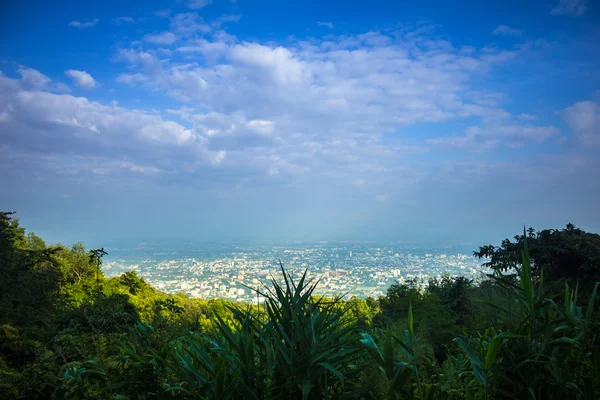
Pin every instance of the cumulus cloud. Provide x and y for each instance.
(33, 79)
(327, 106)
(325, 24)
(211, 50)
(187, 24)
(584, 119)
(504, 30)
(85, 23)
(371, 82)
(278, 63)
(528, 117)
(131, 79)
(81, 79)
(162, 38)
(570, 7)
(183, 83)
(149, 63)
(120, 138)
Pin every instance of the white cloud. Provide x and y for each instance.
(261, 126)
(489, 136)
(277, 62)
(211, 50)
(183, 83)
(329, 109)
(570, 7)
(198, 4)
(218, 157)
(109, 167)
(504, 30)
(131, 79)
(326, 24)
(122, 20)
(83, 24)
(138, 168)
(162, 38)
(187, 24)
(60, 87)
(222, 125)
(76, 125)
(584, 119)
(147, 60)
(528, 117)
(33, 79)
(325, 106)
(81, 79)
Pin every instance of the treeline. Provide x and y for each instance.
(530, 331)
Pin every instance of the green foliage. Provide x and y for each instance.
(299, 346)
(29, 277)
(566, 253)
(68, 332)
(547, 351)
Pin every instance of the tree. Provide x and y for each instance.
(29, 277)
(78, 268)
(96, 258)
(566, 253)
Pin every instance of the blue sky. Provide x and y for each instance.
(417, 120)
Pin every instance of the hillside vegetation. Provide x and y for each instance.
(531, 330)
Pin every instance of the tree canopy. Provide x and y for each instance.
(568, 253)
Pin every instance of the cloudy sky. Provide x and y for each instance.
(417, 120)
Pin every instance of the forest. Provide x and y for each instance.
(530, 330)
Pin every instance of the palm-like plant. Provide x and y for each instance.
(300, 347)
(398, 373)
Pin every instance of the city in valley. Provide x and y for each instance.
(233, 272)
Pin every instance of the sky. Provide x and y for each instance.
(417, 121)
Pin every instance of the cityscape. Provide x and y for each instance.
(342, 269)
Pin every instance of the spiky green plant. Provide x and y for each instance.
(300, 347)
(401, 371)
(308, 342)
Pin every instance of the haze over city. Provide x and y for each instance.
(260, 120)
